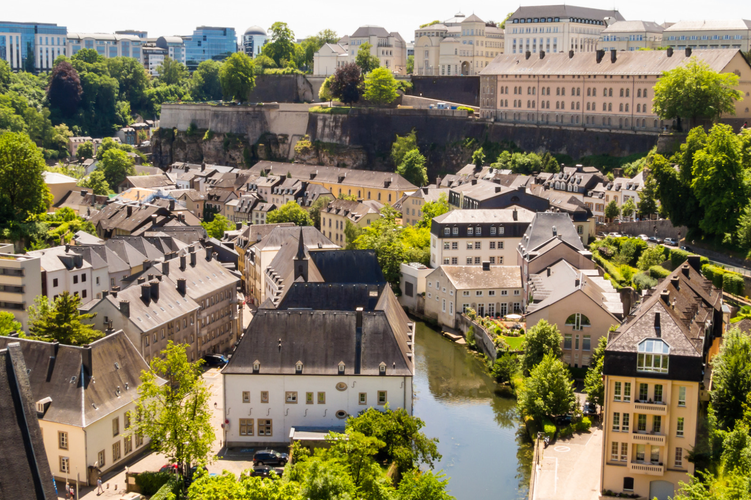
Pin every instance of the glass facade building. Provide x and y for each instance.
(106, 45)
(32, 46)
(209, 43)
(253, 41)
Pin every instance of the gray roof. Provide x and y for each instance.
(710, 25)
(475, 277)
(348, 266)
(148, 181)
(488, 216)
(564, 11)
(110, 379)
(366, 31)
(60, 258)
(201, 278)
(24, 470)
(319, 173)
(548, 225)
(125, 251)
(312, 237)
(633, 27)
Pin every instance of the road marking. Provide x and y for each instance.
(561, 449)
(555, 485)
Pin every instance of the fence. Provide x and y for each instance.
(536, 459)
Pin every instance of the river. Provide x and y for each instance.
(484, 451)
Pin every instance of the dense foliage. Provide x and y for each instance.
(60, 321)
(290, 212)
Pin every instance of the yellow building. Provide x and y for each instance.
(411, 205)
(335, 216)
(385, 187)
(654, 377)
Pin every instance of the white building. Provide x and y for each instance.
(631, 35)
(106, 45)
(329, 57)
(458, 46)
(85, 399)
(64, 270)
(174, 47)
(709, 34)
(389, 48)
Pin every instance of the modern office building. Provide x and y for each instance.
(31, 46)
(174, 47)
(209, 42)
(138, 33)
(253, 41)
(106, 45)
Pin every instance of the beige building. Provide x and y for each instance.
(335, 216)
(493, 291)
(58, 184)
(594, 90)
(709, 34)
(458, 46)
(631, 35)
(20, 284)
(389, 48)
(329, 57)
(654, 376)
(556, 28)
(471, 237)
(411, 205)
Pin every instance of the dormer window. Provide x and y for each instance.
(341, 368)
(382, 368)
(653, 356)
(256, 366)
(298, 367)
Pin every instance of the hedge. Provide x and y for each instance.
(713, 274)
(166, 492)
(678, 257)
(150, 482)
(658, 272)
(612, 270)
(729, 281)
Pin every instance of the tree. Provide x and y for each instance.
(23, 192)
(173, 408)
(717, 169)
(325, 36)
(653, 256)
(743, 233)
(116, 166)
(593, 383)
(324, 93)
(695, 91)
(206, 84)
(217, 226)
(419, 485)
(226, 487)
(315, 210)
(541, 339)
(64, 92)
(132, 79)
(402, 145)
(8, 324)
(628, 208)
(550, 164)
(237, 77)
(328, 480)
(262, 62)
(380, 87)
(351, 233)
(433, 209)
(731, 378)
(677, 200)
(63, 323)
(364, 60)
(547, 391)
(413, 168)
(97, 182)
(85, 151)
(281, 45)
(505, 367)
(503, 24)
(647, 204)
(289, 212)
(347, 83)
(410, 64)
(478, 158)
(172, 72)
(611, 210)
(5, 73)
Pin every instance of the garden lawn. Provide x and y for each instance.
(514, 343)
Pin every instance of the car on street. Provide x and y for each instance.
(671, 242)
(615, 235)
(655, 240)
(643, 237)
(589, 408)
(686, 248)
(169, 468)
(215, 360)
(261, 471)
(269, 457)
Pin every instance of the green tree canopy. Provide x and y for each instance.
(365, 60)
(23, 192)
(8, 324)
(315, 209)
(289, 212)
(413, 168)
(62, 322)
(97, 182)
(478, 158)
(410, 64)
(205, 84)
(418, 485)
(218, 225)
(612, 210)
(116, 166)
(731, 379)
(647, 198)
(541, 339)
(380, 87)
(676, 197)
(433, 209)
(695, 91)
(628, 208)
(548, 391)
(347, 83)
(402, 145)
(237, 77)
(85, 151)
(175, 415)
(132, 79)
(281, 45)
(172, 72)
(324, 93)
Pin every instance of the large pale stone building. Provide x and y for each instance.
(601, 90)
(458, 46)
(389, 48)
(709, 34)
(631, 35)
(556, 28)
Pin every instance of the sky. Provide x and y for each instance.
(307, 18)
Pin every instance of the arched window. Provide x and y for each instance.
(638, 108)
(653, 355)
(626, 107)
(587, 106)
(621, 92)
(594, 92)
(578, 91)
(557, 91)
(610, 106)
(604, 106)
(638, 92)
(628, 92)
(534, 91)
(621, 107)
(578, 321)
(610, 93)
(589, 92)
(557, 105)
(572, 105)
(573, 91)
(577, 105)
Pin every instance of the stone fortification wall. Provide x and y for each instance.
(283, 88)
(464, 89)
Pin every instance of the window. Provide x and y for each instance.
(454, 245)
(126, 420)
(641, 423)
(628, 482)
(640, 452)
(679, 427)
(446, 245)
(656, 424)
(100, 461)
(478, 245)
(567, 342)
(627, 392)
(624, 452)
(65, 465)
(308, 398)
(477, 260)
(614, 451)
(54, 282)
(586, 343)
(617, 391)
(321, 398)
(363, 398)
(478, 293)
(62, 438)
(577, 321)
(139, 439)
(681, 396)
(264, 396)
(116, 452)
(469, 261)
(643, 392)
(616, 422)
(246, 426)
(264, 427)
(653, 356)
(75, 279)
(83, 278)
(290, 397)
(470, 246)
(128, 445)
(624, 425)
(679, 457)
(658, 393)
(382, 397)
(115, 426)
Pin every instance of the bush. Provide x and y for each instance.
(150, 482)
(167, 492)
(566, 431)
(643, 281)
(548, 428)
(733, 283)
(714, 274)
(191, 130)
(465, 108)
(613, 271)
(658, 272)
(583, 425)
(471, 342)
(338, 110)
(677, 257)
(208, 135)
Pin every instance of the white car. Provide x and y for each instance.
(133, 496)
(671, 242)
(643, 237)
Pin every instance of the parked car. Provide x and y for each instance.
(643, 237)
(261, 471)
(671, 242)
(169, 468)
(133, 496)
(269, 457)
(615, 235)
(215, 360)
(564, 420)
(686, 248)
(590, 408)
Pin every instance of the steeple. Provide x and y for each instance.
(301, 260)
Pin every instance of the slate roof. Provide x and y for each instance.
(332, 175)
(312, 237)
(24, 470)
(59, 258)
(55, 372)
(202, 278)
(541, 231)
(75, 199)
(633, 27)
(564, 11)
(348, 266)
(353, 210)
(489, 216)
(125, 251)
(366, 31)
(142, 245)
(148, 181)
(710, 25)
(475, 277)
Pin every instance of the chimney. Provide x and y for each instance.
(181, 283)
(67, 247)
(675, 281)
(208, 253)
(171, 205)
(141, 280)
(670, 51)
(192, 248)
(665, 296)
(515, 214)
(498, 189)
(548, 272)
(84, 192)
(129, 210)
(570, 54)
(238, 226)
(105, 293)
(695, 262)
(474, 182)
(146, 292)
(125, 308)
(527, 54)
(684, 269)
(688, 51)
(203, 166)
(600, 55)
(193, 259)
(613, 55)
(154, 289)
(182, 262)
(165, 269)
(542, 54)
(486, 266)
(146, 264)
(86, 360)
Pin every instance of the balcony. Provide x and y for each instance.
(648, 469)
(640, 437)
(651, 408)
